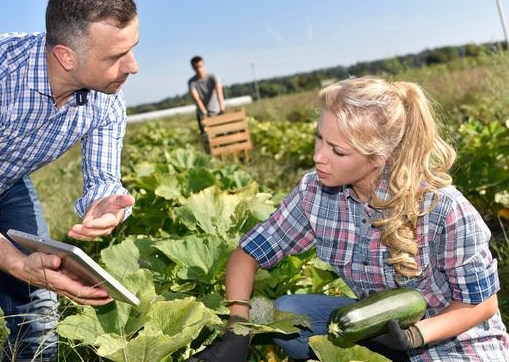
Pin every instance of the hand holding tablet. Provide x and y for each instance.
(77, 263)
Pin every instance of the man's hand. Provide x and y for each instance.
(46, 271)
(102, 217)
(400, 339)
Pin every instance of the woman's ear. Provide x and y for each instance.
(65, 56)
(378, 162)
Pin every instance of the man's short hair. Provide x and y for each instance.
(68, 21)
(195, 60)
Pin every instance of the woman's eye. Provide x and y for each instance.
(337, 152)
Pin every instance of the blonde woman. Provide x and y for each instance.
(380, 209)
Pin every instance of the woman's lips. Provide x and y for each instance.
(321, 173)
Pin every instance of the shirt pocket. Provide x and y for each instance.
(338, 255)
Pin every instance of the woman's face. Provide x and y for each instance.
(338, 163)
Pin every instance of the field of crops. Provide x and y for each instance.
(191, 210)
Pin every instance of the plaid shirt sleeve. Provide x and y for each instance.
(466, 258)
(101, 149)
(286, 231)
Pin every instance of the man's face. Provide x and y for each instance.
(199, 68)
(108, 57)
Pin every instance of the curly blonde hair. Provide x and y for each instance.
(394, 122)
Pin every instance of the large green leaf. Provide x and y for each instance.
(209, 210)
(169, 188)
(251, 209)
(145, 348)
(131, 254)
(82, 326)
(200, 178)
(199, 257)
(117, 317)
(284, 322)
(327, 351)
(186, 159)
(171, 325)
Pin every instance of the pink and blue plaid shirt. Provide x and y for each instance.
(454, 255)
(34, 132)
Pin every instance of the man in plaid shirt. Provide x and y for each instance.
(58, 88)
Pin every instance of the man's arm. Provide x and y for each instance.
(196, 99)
(105, 202)
(220, 95)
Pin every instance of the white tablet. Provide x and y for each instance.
(78, 262)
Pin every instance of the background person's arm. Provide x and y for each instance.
(196, 98)
(220, 95)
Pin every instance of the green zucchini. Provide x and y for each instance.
(368, 317)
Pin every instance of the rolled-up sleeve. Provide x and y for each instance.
(286, 231)
(101, 149)
(467, 261)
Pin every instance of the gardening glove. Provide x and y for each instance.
(230, 347)
(366, 293)
(400, 339)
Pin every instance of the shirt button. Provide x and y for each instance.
(364, 221)
(366, 262)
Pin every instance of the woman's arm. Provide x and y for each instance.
(457, 318)
(240, 275)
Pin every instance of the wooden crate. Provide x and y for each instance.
(228, 133)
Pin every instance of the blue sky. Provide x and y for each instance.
(244, 40)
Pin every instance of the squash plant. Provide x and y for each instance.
(177, 272)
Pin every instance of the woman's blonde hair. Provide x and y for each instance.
(394, 122)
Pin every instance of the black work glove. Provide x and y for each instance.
(230, 347)
(366, 293)
(400, 339)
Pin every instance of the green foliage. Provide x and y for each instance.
(4, 331)
(482, 169)
(285, 149)
(192, 209)
(327, 350)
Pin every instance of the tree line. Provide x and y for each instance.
(311, 80)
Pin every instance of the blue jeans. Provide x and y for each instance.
(31, 313)
(318, 308)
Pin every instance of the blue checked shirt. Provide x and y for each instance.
(34, 132)
(454, 255)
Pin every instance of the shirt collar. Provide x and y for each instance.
(38, 79)
(381, 190)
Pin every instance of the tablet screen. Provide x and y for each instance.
(77, 262)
